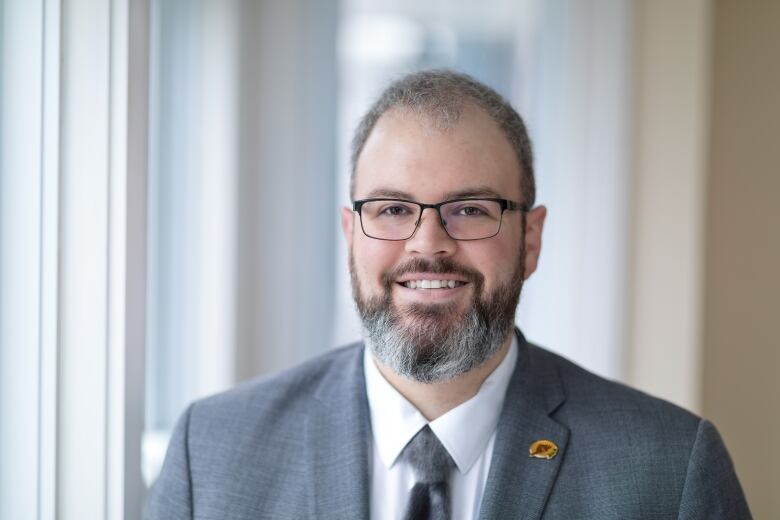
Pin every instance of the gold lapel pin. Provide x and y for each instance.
(543, 449)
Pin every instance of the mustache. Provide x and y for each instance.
(440, 266)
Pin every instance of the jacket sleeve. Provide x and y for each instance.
(712, 490)
(171, 495)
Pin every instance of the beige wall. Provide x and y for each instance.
(704, 289)
(671, 86)
(741, 354)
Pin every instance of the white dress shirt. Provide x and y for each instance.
(467, 431)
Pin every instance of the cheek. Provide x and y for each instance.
(511, 252)
(496, 261)
(373, 258)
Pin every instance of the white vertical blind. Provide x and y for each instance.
(49, 233)
(578, 113)
(20, 219)
(72, 202)
(127, 257)
(83, 335)
(214, 338)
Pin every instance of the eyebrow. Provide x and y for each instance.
(476, 191)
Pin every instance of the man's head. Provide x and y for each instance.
(435, 307)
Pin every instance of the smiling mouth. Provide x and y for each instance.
(432, 284)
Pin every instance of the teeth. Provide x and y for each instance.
(432, 284)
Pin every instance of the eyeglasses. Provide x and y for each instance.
(462, 219)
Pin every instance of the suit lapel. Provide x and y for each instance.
(337, 440)
(518, 485)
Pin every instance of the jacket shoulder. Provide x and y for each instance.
(228, 450)
(284, 393)
(588, 394)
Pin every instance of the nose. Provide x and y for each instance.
(431, 238)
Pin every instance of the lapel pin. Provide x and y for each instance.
(543, 449)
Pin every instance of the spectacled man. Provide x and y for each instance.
(445, 410)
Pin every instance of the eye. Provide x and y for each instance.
(471, 211)
(390, 210)
(394, 211)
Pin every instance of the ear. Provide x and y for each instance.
(347, 223)
(533, 238)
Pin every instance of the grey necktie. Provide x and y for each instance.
(432, 465)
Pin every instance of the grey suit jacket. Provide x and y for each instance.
(297, 445)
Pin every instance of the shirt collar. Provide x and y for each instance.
(464, 431)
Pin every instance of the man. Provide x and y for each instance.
(447, 411)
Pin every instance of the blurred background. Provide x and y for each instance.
(171, 173)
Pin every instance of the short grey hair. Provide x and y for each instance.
(441, 96)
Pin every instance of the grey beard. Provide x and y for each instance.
(438, 343)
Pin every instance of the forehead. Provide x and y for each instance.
(408, 155)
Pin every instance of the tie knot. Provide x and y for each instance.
(429, 458)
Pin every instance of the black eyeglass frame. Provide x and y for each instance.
(505, 204)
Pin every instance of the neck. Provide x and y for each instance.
(435, 399)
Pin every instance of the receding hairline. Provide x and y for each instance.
(431, 122)
(439, 121)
